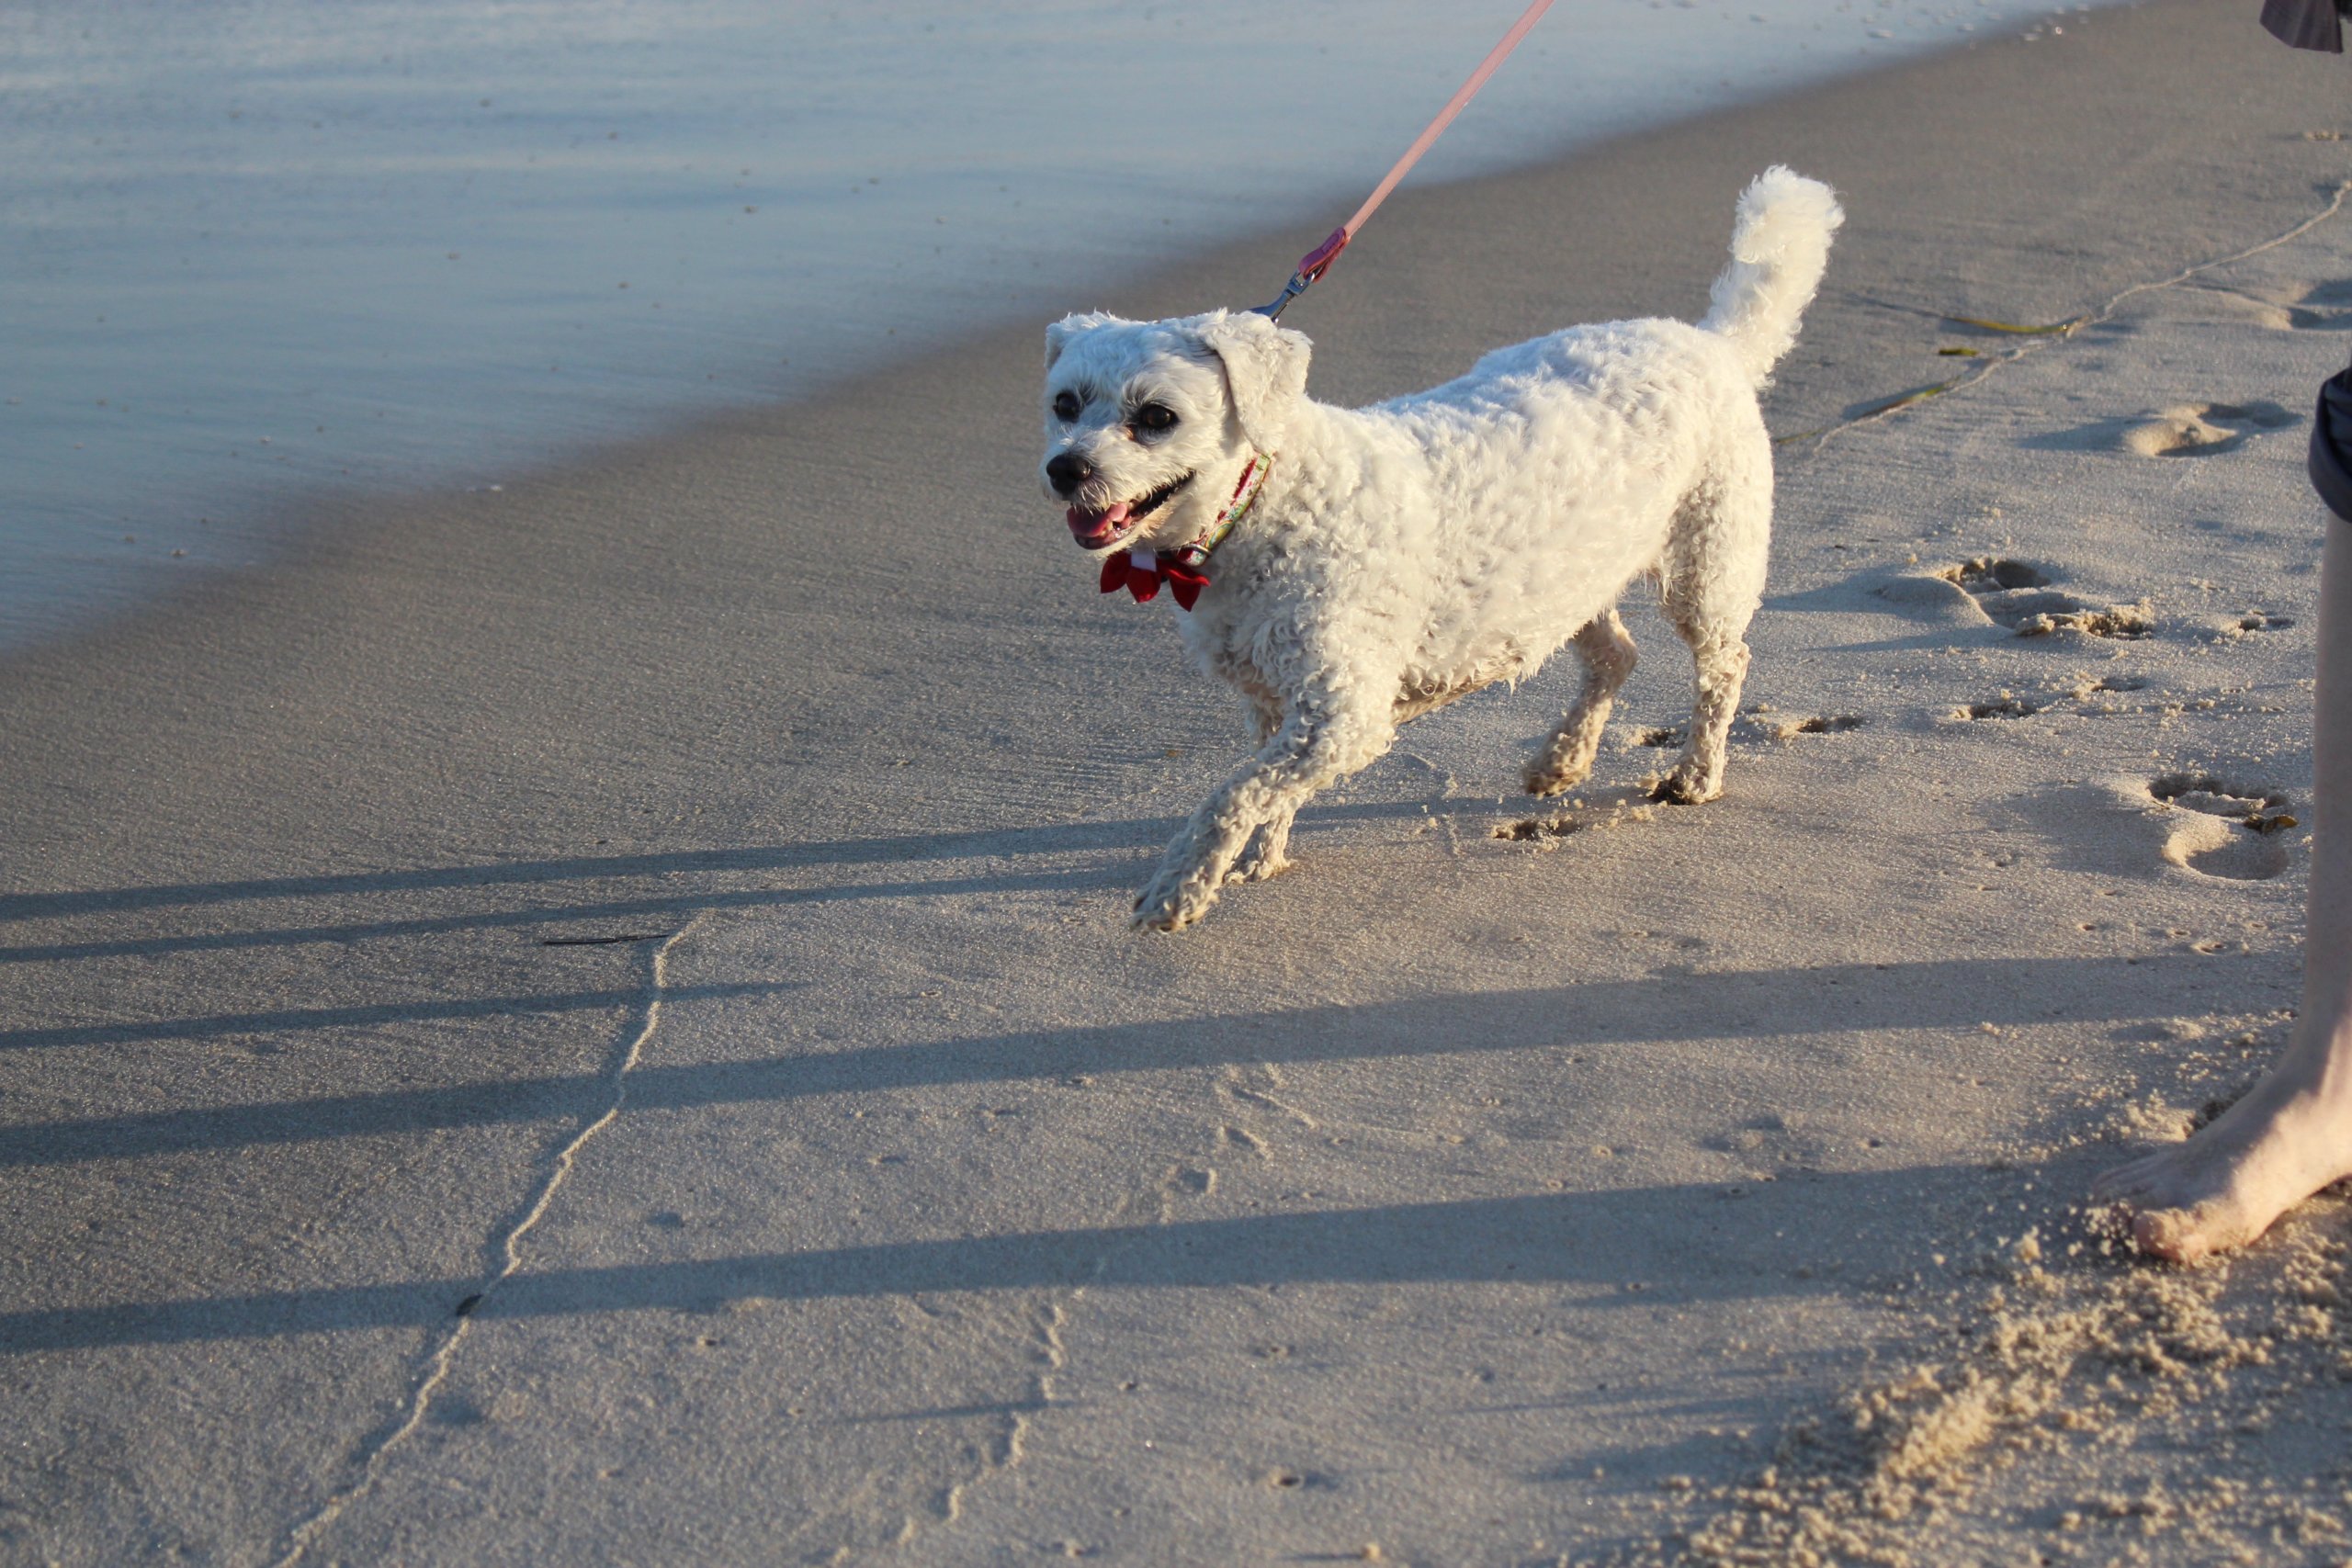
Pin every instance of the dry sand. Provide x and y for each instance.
(595, 1024)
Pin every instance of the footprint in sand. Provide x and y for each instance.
(2006, 705)
(2126, 826)
(2095, 697)
(2260, 808)
(2227, 828)
(2023, 598)
(1820, 724)
(1762, 1142)
(2256, 621)
(2200, 430)
(2098, 697)
(1615, 809)
(2321, 307)
(2300, 307)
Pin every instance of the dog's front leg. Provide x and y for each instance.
(1322, 740)
(1266, 856)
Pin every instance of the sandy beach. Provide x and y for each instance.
(595, 1023)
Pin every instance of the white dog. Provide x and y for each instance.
(1350, 569)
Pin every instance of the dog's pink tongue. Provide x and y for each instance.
(1093, 527)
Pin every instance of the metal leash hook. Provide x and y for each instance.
(1311, 266)
(1317, 262)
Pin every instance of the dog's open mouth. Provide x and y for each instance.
(1095, 529)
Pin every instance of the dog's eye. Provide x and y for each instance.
(1065, 406)
(1155, 416)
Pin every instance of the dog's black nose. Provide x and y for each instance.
(1068, 470)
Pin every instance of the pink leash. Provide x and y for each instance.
(1317, 262)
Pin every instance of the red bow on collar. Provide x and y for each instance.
(1141, 575)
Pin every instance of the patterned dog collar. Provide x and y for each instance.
(1245, 491)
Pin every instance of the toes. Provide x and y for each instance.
(2173, 1235)
(1156, 915)
(2186, 1236)
(2122, 1184)
(1162, 908)
(1152, 905)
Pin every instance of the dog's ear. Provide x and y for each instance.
(1058, 336)
(1265, 371)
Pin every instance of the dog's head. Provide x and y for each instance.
(1149, 425)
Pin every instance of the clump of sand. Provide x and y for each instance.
(2055, 1371)
(1545, 830)
(2126, 621)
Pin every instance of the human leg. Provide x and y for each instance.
(2291, 1134)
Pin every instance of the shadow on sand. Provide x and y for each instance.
(1625, 1014)
(1119, 848)
(1603, 1239)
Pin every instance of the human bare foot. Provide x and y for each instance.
(2289, 1137)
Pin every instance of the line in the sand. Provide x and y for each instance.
(2045, 335)
(371, 1454)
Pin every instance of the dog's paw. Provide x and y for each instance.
(1542, 779)
(1170, 903)
(1684, 786)
(1256, 867)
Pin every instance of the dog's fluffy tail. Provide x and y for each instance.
(1779, 247)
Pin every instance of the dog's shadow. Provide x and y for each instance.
(622, 893)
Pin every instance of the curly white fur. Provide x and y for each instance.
(1405, 554)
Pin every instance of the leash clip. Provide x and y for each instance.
(1291, 290)
(1311, 266)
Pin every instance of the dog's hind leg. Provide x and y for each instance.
(1567, 758)
(1697, 774)
(1710, 583)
